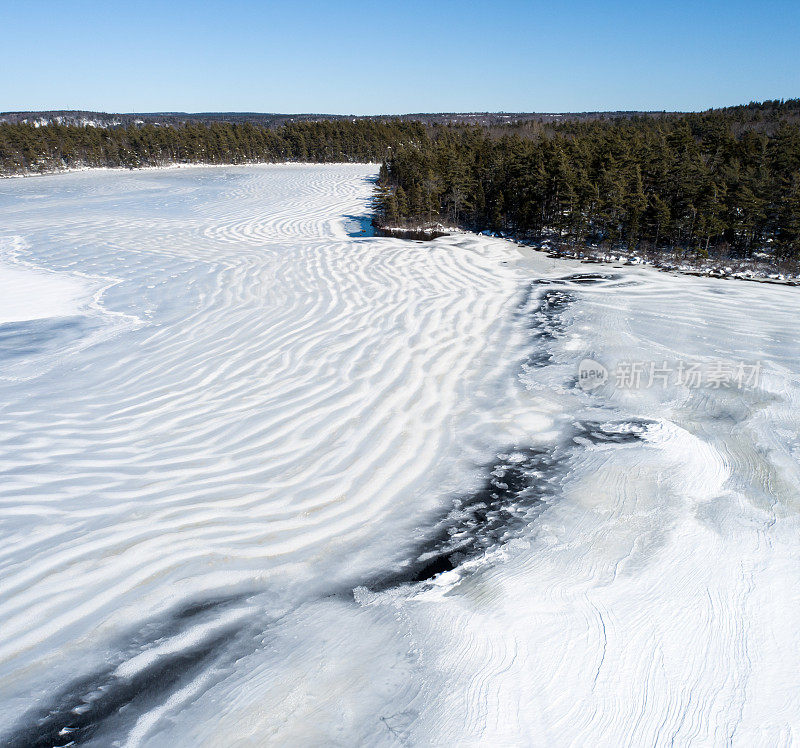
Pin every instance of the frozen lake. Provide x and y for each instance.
(269, 480)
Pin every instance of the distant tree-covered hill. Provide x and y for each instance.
(273, 120)
(28, 147)
(753, 112)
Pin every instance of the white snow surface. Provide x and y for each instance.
(26, 294)
(227, 414)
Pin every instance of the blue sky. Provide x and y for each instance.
(378, 57)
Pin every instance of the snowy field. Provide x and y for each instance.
(268, 480)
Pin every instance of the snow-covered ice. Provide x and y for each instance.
(27, 295)
(270, 480)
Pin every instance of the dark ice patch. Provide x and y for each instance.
(103, 702)
(580, 278)
(93, 702)
(588, 278)
(542, 312)
(517, 486)
(37, 336)
(623, 432)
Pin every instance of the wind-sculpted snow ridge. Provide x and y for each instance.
(270, 480)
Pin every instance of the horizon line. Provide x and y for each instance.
(390, 114)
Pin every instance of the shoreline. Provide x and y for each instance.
(590, 255)
(622, 260)
(177, 165)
